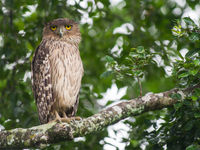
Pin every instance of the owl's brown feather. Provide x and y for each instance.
(41, 81)
(57, 71)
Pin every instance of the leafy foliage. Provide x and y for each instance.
(112, 53)
(131, 66)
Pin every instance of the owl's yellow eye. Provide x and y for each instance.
(53, 28)
(68, 27)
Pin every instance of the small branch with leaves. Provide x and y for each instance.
(131, 66)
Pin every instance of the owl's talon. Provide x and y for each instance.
(77, 118)
(58, 120)
(67, 120)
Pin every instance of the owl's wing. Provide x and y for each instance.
(72, 111)
(41, 82)
(75, 106)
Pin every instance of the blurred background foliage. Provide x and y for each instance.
(124, 42)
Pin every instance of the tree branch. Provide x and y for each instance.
(40, 136)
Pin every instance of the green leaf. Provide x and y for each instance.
(189, 125)
(194, 72)
(140, 49)
(196, 62)
(192, 52)
(109, 102)
(194, 37)
(134, 143)
(189, 21)
(194, 98)
(176, 96)
(109, 58)
(132, 54)
(183, 75)
(193, 147)
(177, 106)
(106, 74)
(197, 115)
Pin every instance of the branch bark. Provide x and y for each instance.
(40, 136)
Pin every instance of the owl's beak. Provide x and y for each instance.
(61, 32)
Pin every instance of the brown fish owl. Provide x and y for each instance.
(57, 71)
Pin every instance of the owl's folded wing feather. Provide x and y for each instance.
(41, 81)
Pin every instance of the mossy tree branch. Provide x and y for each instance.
(40, 136)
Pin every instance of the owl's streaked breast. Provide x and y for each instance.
(67, 71)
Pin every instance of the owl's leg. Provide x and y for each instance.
(58, 118)
(65, 118)
(76, 118)
(68, 119)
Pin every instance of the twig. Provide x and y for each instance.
(140, 85)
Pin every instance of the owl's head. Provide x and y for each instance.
(62, 29)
